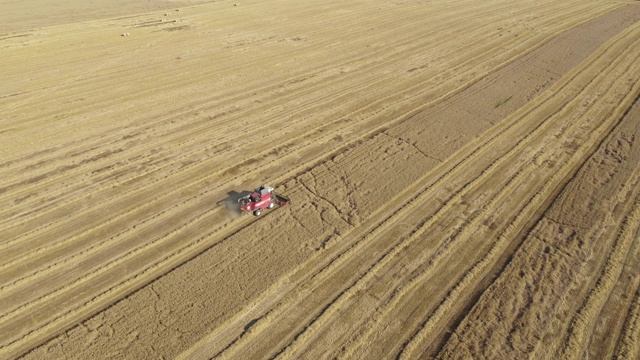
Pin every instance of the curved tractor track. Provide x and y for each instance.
(464, 177)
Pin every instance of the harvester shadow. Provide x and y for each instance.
(231, 201)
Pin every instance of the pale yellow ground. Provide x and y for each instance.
(464, 178)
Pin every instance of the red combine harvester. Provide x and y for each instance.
(262, 198)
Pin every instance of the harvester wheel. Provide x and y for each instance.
(271, 205)
(257, 212)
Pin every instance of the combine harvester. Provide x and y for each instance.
(262, 198)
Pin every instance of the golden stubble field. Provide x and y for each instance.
(464, 177)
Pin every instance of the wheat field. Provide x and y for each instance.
(464, 178)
